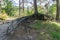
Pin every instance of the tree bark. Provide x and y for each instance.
(58, 9)
(0, 7)
(35, 7)
(19, 8)
(23, 5)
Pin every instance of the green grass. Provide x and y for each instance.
(55, 32)
(52, 28)
(55, 35)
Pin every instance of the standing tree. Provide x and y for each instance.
(35, 7)
(19, 8)
(23, 5)
(0, 6)
(58, 9)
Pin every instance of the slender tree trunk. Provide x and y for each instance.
(0, 6)
(58, 9)
(19, 8)
(23, 5)
(28, 10)
(35, 7)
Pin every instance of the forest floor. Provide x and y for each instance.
(37, 30)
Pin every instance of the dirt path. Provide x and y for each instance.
(3, 29)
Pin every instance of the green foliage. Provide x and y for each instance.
(52, 9)
(41, 9)
(27, 12)
(9, 8)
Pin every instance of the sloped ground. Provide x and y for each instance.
(47, 30)
(24, 32)
(36, 30)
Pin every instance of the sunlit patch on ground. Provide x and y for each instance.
(56, 23)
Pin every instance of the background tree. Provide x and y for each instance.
(23, 5)
(0, 6)
(19, 7)
(58, 9)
